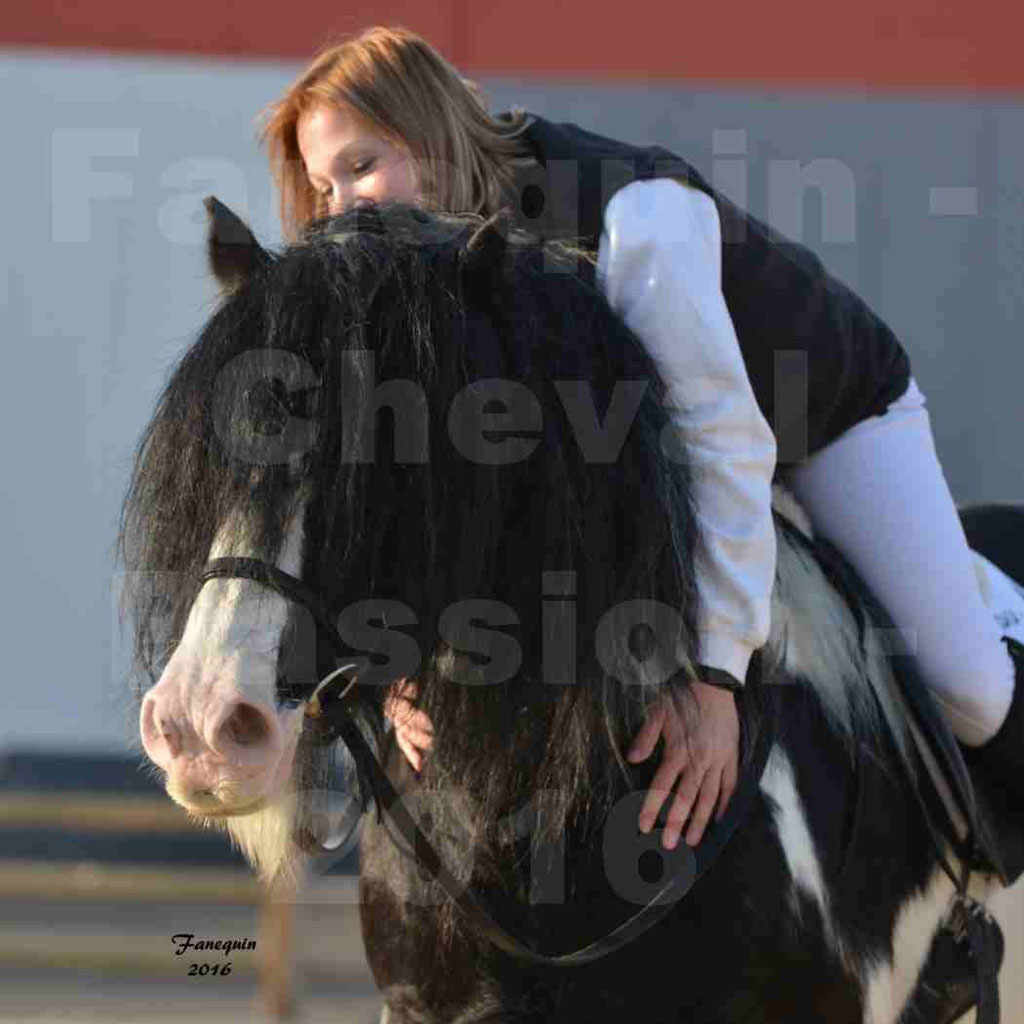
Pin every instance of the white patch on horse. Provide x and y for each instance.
(889, 984)
(791, 826)
(784, 502)
(816, 636)
(234, 538)
(265, 836)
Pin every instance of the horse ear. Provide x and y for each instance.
(232, 250)
(488, 244)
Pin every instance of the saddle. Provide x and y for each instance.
(968, 811)
(976, 806)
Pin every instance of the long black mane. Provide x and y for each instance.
(272, 410)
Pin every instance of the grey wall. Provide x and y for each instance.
(918, 205)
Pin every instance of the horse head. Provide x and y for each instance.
(439, 426)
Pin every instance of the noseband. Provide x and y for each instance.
(330, 707)
(310, 692)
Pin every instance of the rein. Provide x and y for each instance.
(330, 708)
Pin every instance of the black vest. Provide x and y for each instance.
(819, 359)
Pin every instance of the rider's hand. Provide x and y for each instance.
(704, 764)
(413, 729)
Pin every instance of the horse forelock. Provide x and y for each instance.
(451, 530)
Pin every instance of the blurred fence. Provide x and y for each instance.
(99, 870)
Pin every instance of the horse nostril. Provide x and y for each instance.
(158, 726)
(246, 727)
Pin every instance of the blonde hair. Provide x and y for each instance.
(399, 86)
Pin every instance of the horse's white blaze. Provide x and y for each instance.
(265, 835)
(211, 721)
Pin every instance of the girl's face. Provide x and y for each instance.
(346, 162)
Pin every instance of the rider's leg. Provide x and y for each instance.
(878, 493)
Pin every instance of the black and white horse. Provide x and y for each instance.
(448, 436)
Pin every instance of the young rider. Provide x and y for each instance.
(715, 295)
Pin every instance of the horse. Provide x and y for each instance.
(418, 446)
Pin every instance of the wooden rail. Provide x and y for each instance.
(94, 812)
(93, 880)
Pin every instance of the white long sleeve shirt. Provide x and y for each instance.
(660, 266)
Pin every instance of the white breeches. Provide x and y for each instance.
(878, 493)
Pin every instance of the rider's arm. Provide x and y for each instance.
(660, 265)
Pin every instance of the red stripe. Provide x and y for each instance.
(875, 44)
(230, 28)
(872, 44)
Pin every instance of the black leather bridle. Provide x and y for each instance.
(329, 709)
